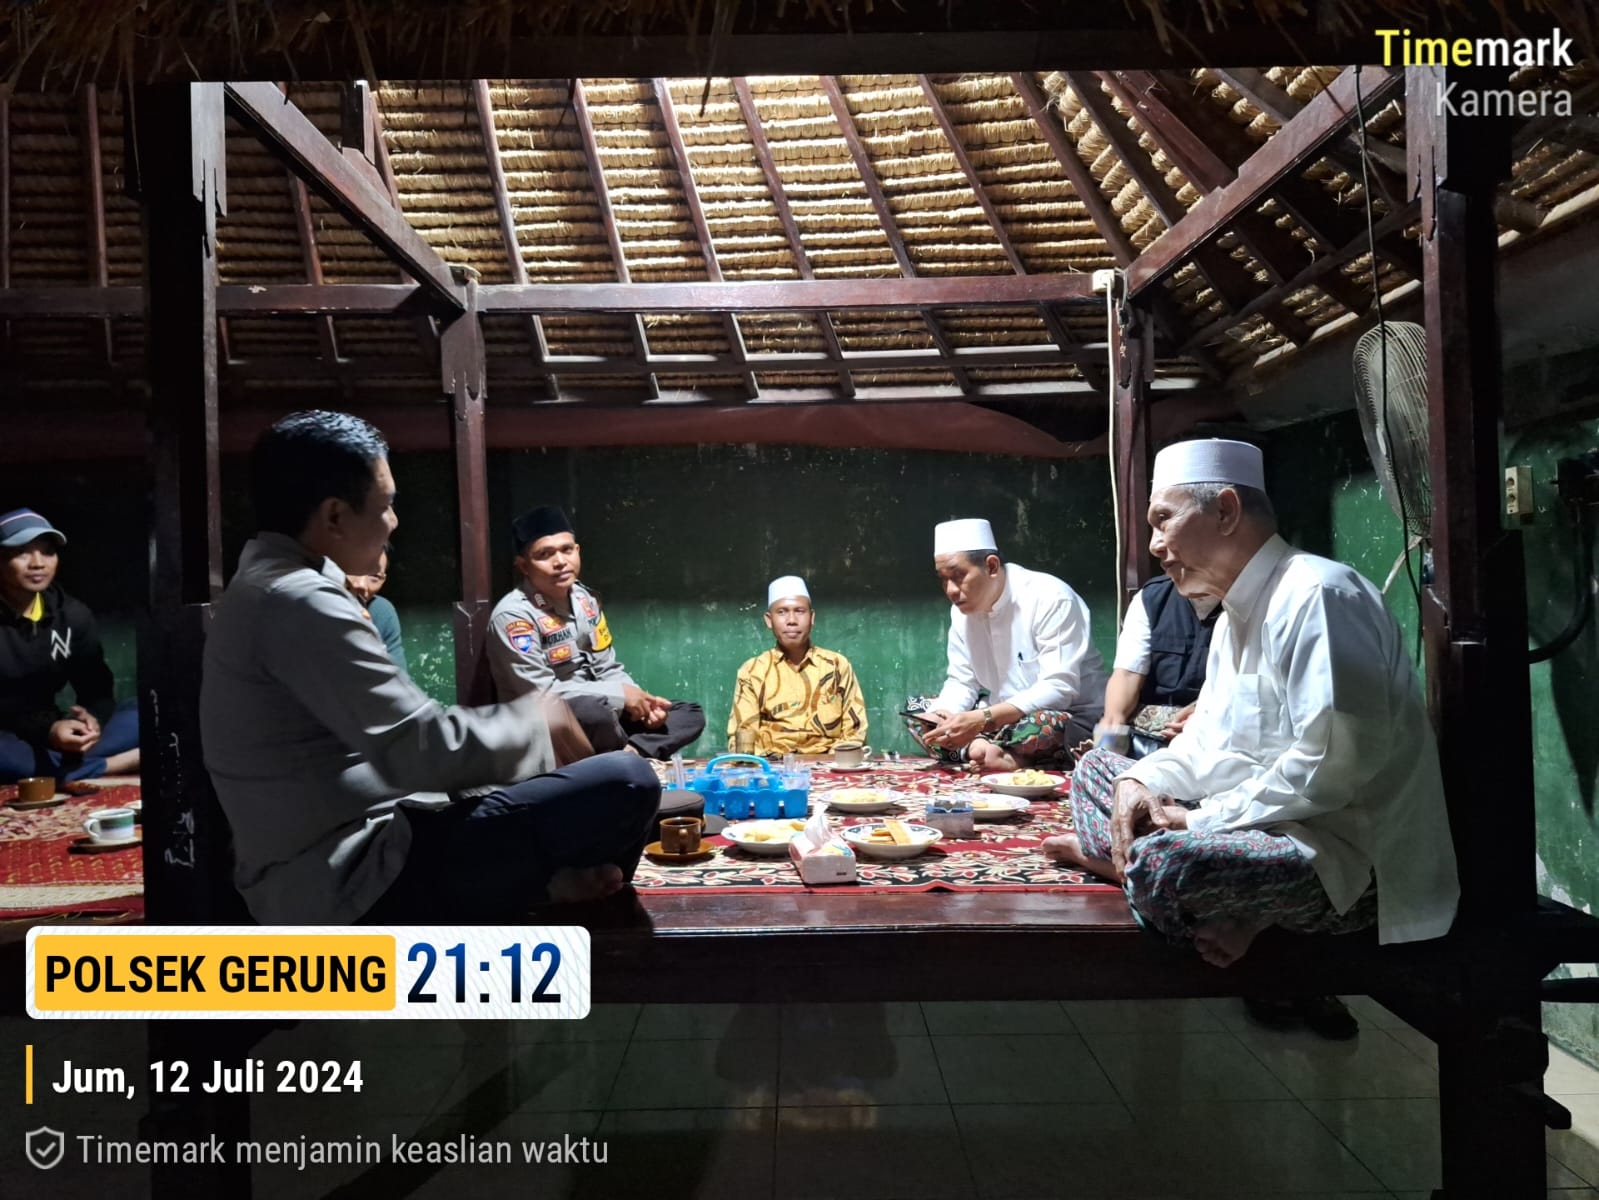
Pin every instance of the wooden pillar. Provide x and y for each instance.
(1475, 625)
(178, 141)
(463, 373)
(180, 176)
(1132, 350)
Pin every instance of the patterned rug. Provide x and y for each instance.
(38, 877)
(1001, 856)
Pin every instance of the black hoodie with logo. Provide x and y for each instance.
(39, 659)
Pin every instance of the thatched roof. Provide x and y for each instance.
(441, 170)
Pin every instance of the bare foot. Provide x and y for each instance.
(1066, 848)
(1222, 943)
(986, 756)
(580, 885)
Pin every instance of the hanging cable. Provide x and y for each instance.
(1583, 575)
(1376, 292)
(1113, 446)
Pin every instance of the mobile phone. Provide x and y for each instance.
(924, 718)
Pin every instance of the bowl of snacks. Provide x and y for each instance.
(767, 838)
(891, 839)
(1029, 785)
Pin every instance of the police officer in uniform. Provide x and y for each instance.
(550, 634)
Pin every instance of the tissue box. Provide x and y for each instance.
(827, 860)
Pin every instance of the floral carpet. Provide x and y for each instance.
(38, 875)
(999, 856)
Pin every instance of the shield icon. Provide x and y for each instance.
(45, 1147)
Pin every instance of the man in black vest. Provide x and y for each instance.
(1159, 669)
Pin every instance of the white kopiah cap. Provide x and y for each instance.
(1209, 460)
(784, 587)
(970, 533)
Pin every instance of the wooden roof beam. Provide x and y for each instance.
(1385, 164)
(613, 236)
(427, 327)
(1231, 283)
(94, 189)
(785, 216)
(399, 299)
(310, 261)
(972, 357)
(1295, 144)
(1208, 148)
(291, 136)
(1052, 322)
(702, 229)
(502, 208)
(1168, 316)
(885, 214)
(1311, 274)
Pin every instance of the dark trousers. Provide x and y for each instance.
(491, 858)
(608, 729)
(18, 759)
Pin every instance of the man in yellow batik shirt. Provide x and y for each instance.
(796, 697)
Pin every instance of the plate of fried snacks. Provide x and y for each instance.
(891, 839)
(993, 808)
(770, 838)
(1026, 784)
(861, 801)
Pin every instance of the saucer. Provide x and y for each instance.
(865, 766)
(654, 853)
(31, 805)
(88, 845)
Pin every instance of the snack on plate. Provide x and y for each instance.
(771, 831)
(856, 796)
(894, 832)
(1030, 779)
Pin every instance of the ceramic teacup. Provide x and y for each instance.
(111, 825)
(850, 754)
(35, 788)
(681, 835)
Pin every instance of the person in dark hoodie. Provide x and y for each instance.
(48, 641)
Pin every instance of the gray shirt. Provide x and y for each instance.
(532, 648)
(313, 735)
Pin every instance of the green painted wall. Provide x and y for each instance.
(1332, 504)
(680, 542)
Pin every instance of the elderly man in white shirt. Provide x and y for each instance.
(1304, 792)
(1021, 636)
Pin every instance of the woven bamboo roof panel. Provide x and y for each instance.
(960, 179)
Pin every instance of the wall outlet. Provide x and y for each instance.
(1520, 504)
(1103, 279)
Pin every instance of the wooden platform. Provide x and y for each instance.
(950, 946)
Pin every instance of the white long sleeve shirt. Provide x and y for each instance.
(1311, 725)
(1032, 649)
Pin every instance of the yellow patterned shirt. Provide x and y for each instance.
(804, 709)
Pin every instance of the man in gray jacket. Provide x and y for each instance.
(352, 795)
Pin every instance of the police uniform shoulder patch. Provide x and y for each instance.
(591, 607)
(520, 634)
(602, 634)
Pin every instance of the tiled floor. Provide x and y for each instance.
(1072, 1101)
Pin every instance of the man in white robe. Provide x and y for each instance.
(1304, 791)
(1020, 636)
